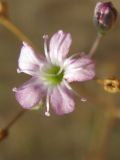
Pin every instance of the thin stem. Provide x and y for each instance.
(99, 140)
(14, 120)
(95, 45)
(15, 30)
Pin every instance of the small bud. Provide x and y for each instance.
(105, 16)
(111, 85)
(3, 9)
(3, 133)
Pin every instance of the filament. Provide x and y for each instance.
(83, 99)
(47, 112)
(45, 37)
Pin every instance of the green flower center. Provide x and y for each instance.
(53, 75)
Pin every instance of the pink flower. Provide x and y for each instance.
(52, 74)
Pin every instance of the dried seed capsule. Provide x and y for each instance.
(111, 85)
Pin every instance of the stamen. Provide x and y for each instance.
(71, 57)
(76, 54)
(25, 71)
(50, 75)
(74, 69)
(47, 112)
(83, 99)
(45, 37)
(60, 71)
(79, 67)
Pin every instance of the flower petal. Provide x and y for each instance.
(62, 100)
(59, 46)
(81, 68)
(30, 93)
(28, 61)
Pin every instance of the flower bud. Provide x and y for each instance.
(105, 16)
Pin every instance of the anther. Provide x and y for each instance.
(47, 114)
(18, 70)
(14, 89)
(83, 99)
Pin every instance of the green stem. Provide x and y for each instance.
(95, 45)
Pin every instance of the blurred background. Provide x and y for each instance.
(86, 134)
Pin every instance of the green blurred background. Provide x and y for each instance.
(86, 134)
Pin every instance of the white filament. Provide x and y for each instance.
(47, 112)
(45, 37)
(83, 99)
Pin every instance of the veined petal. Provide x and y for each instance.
(59, 46)
(28, 61)
(30, 93)
(81, 68)
(62, 100)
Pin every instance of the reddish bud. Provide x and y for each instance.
(105, 16)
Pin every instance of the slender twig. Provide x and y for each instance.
(4, 132)
(6, 22)
(15, 119)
